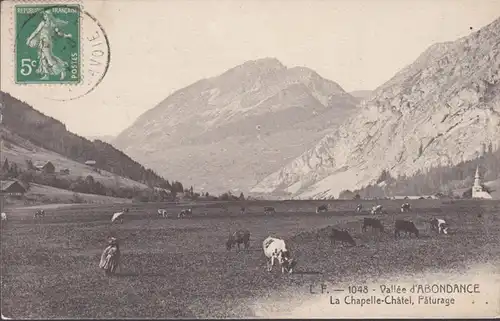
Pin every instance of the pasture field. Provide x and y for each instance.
(179, 268)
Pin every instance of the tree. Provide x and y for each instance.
(13, 170)
(89, 180)
(6, 167)
(26, 177)
(383, 176)
(29, 164)
(242, 197)
(467, 193)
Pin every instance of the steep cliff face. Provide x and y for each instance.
(230, 131)
(439, 110)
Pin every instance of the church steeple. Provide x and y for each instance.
(477, 180)
(477, 189)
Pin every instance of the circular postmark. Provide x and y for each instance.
(62, 51)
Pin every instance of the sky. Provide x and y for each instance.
(158, 47)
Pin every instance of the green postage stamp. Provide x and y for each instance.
(47, 44)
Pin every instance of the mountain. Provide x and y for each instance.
(361, 94)
(30, 136)
(438, 111)
(230, 131)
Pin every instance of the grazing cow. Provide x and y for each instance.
(374, 223)
(269, 210)
(404, 226)
(342, 236)
(359, 208)
(39, 213)
(275, 249)
(322, 208)
(406, 207)
(377, 209)
(119, 216)
(163, 213)
(4, 217)
(439, 225)
(243, 210)
(185, 212)
(238, 237)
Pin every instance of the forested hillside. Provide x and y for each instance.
(435, 180)
(51, 134)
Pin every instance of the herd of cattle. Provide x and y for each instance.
(275, 249)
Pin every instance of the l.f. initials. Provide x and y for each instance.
(322, 286)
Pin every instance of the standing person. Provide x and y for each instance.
(110, 258)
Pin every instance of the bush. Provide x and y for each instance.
(77, 198)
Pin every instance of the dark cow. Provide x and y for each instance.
(342, 236)
(185, 212)
(39, 213)
(404, 226)
(374, 223)
(322, 208)
(269, 210)
(238, 237)
(243, 210)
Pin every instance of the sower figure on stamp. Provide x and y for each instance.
(110, 258)
(42, 39)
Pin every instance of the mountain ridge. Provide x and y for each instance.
(435, 111)
(250, 109)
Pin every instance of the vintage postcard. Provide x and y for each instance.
(249, 159)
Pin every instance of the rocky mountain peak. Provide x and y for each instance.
(435, 112)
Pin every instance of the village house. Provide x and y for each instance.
(46, 167)
(90, 162)
(12, 188)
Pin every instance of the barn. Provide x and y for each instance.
(13, 188)
(90, 162)
(46, 167)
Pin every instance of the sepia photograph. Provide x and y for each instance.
(173, 159)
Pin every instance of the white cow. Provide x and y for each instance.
(39, 213)
(163, 213)
(275, 249)
(119, 215)
(4, 217)
(406, 207)
(439, 225)
(377, 209)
